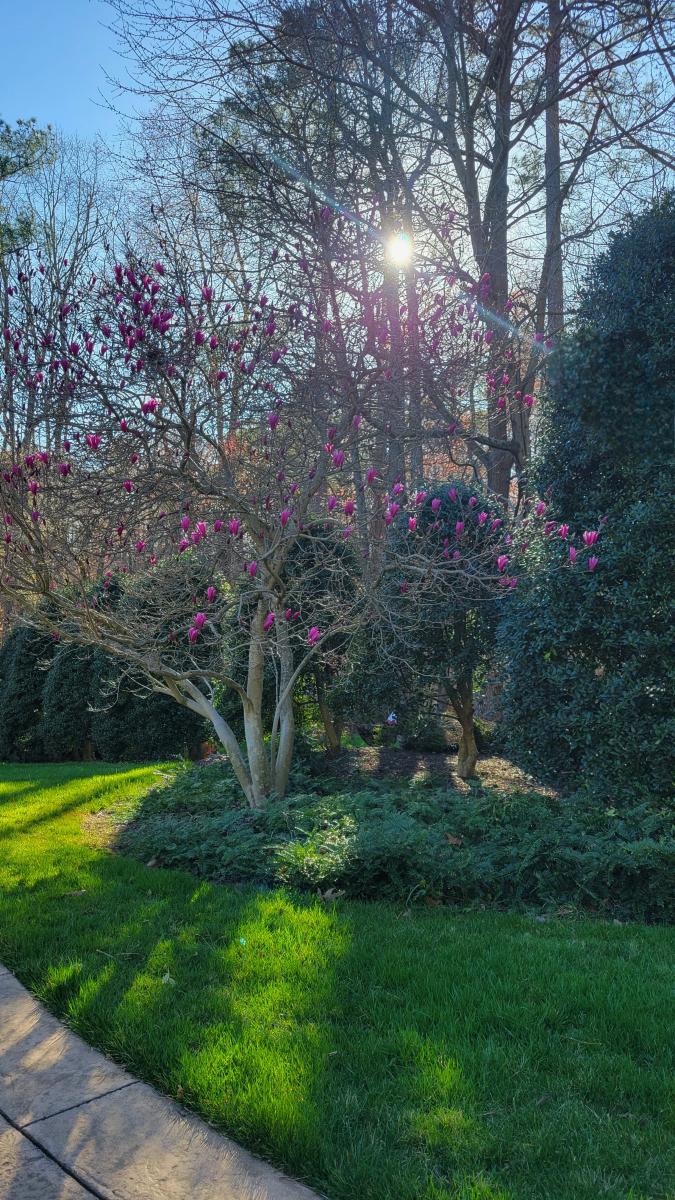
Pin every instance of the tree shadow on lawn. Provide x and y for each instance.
(332, 1042)
(246, 1007)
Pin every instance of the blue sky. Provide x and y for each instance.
(54, 53)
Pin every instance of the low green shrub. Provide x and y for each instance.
(405, 843)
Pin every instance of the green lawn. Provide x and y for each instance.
(377, 1053)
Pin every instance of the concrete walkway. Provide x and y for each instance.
(73, 1125)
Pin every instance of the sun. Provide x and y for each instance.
(399, 249)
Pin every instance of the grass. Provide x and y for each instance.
(376, 1052)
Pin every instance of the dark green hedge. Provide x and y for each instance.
(589, 658)
(62, 702)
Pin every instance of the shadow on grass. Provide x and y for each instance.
(246, 1007)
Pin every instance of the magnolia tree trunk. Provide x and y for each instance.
(264, 768)
(282, 740)
(461, 698)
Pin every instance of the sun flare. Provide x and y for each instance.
(399, 249)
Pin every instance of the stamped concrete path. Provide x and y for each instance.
(73, 1125)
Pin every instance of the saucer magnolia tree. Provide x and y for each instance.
(199, 526)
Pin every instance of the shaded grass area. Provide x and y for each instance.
(377, 1052)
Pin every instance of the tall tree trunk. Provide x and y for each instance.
(553, 266)
(495, 223)
(394, 387)
(332, 729)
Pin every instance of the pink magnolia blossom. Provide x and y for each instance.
(313, 635)
(593, 562)
(472, 501)
(459, 528)
(573, 555)
(273, 420)
(332, 503)
(348, 508)
(528, 400)
(233, 527)
(590, 537)
(412, 524)
(183, 545)
(193, 634)
(452, 494)
(420, 497)
(435, 504)
(35, 516)
(217, 525)
(150, 405)
(563, 530)
(482, 518)
(211, 593)
(285, 517)
(124, 425)
(397, 489)
(93, 441)
(201, 528)
(371, 476)
(268, 622)
(338, 458)
(540, 508)
(200, 337)
(199, 620)
(140, 546)
(185, 523)
(253, 569)
(502, 561)
(127, 485)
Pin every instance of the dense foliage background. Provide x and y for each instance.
(589, 659)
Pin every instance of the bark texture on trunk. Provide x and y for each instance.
(332, 728)
(553, 261)
(461, 698)
(281, 750)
